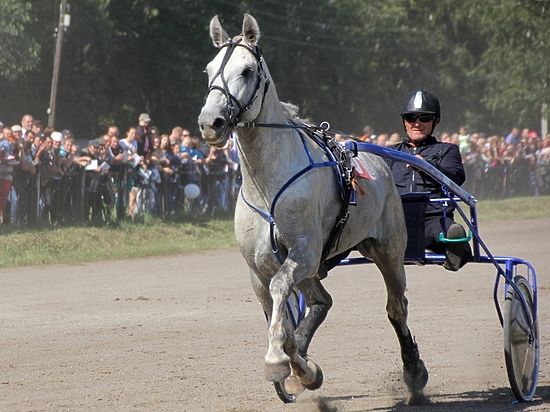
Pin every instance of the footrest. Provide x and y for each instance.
(443, 239)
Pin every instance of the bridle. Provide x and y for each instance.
(234, 107)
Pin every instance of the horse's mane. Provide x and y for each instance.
(290, 109)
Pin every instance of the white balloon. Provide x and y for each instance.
(192, 191)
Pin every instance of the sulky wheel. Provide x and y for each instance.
(521, 342)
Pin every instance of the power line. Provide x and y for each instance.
(315, 24)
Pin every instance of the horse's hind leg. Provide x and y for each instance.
(415, 374)
(390, 264)
(319, 302)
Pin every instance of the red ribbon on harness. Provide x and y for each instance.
(360, 170)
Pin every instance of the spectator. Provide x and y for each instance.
(94, 183)
(474, 167)
(367, 135)
(512, 137)
(494, 169)
(130, 146)
(7, 162)
(217, 163)
(395, 138)
(144, 134)
(114, 153)
(382, 139)
(26, 153)
(112, 131)
(176, 136)
(37, 127)
(6, 131)
(26, 123)
(340, 138)
(524, 138)
(163, 154)
(18, 131)
(54, 171)
(463, 140)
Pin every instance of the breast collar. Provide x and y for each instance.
(334, 162)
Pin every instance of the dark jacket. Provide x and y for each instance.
(443, 156)
(145, 140)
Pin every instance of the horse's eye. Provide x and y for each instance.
(246, 72)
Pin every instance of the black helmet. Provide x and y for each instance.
(422, 101)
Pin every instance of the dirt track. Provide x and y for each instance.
(186, 333)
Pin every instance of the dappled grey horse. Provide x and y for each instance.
(289, 204)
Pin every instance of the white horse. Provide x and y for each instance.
(287, 209)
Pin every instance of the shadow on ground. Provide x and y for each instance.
(487, 400)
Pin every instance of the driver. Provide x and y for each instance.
(420, 116)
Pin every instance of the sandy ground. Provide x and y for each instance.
(186, 334)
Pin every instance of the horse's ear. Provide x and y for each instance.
(251, 30)
(217, 33)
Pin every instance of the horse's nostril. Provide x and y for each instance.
(218, 123)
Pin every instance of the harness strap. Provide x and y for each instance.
(293, 125)
(345, 186)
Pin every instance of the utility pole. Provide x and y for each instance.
(64, 23)
(544, 120)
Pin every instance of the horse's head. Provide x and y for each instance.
(237, 82)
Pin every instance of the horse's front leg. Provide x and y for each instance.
(299, 264)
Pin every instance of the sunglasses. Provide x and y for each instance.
(423, 118)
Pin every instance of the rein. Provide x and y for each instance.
(324, 126)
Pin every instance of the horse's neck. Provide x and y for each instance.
(269, 156)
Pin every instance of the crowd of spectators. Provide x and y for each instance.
(45, 177)
(497, 166)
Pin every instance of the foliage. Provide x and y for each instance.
(18, 52)
(349, 62)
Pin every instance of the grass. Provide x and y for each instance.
(82, 244)
(520, 208)
(26, 247)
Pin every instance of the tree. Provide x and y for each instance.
(349, 62)
(19, 48)
(517, 60)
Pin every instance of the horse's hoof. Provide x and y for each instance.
(418, 399)
(293, 385)
(416, 376)
(277, 372)
(318, 381)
